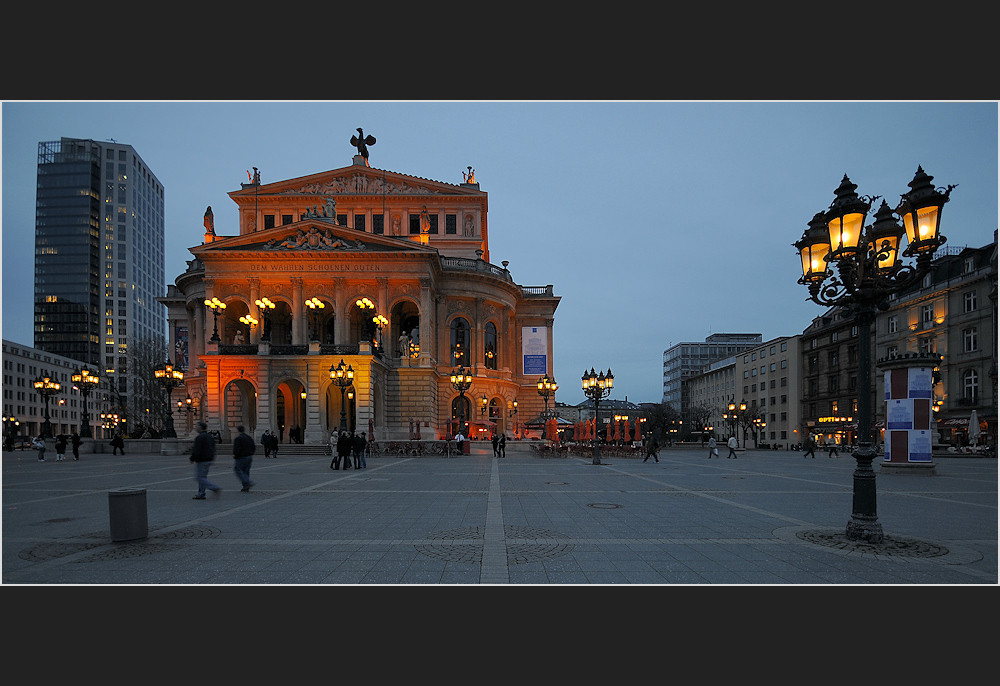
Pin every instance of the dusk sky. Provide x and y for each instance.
(657, 222)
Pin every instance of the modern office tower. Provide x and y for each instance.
(99, 260)
(683, 360)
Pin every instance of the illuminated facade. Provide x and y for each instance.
(387, 272)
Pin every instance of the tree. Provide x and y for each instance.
(146, 398)
(658, 419)
(699, 416)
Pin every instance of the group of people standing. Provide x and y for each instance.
(269, 442)
(499, 445)
(344, 445)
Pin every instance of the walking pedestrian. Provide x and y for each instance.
(118, 443)
(39, 445)
(810, 448)
(359, 451)
(502, 445)
(496, 445)
(75, 440)
(60, 447)
(712, 450)
(273, 440)
(652, 448)
(732, 447)
(243, 450)
(265, 443)
(831, 449)
(202, 454)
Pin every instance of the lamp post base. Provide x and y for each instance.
(864, 529)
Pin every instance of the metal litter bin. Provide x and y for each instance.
(127, 509)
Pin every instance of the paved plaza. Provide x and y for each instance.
(766, 518)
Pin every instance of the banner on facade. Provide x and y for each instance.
(181, 347)
(534, 350)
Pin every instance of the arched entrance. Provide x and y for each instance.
(290, 411)
(239, 402)
(405, 318)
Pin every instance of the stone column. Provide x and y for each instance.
(299, 336)
(254, 297)
(909, 417)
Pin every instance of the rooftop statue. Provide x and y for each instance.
(361, 142)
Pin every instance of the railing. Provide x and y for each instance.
(252, 349)
(537, 290)
(412, 448)
(468, 264)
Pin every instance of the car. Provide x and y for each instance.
(20, 443)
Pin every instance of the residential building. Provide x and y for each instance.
(951, 313)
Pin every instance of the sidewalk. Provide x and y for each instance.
(768, 517)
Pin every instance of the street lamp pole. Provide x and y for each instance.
(85, 381)
(264, 307)
(868, 272)
(546, 388)
(343, 376)
(596, 387)
(461, 379)
(216, 306)
(48, 388)
(314, 304)
(169, 377)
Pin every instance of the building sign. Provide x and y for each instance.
(534, 350)
(827, 420)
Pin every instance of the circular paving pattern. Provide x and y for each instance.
(125, 549)
(466, 545)
(891, 547)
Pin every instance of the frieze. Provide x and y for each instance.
(360, 184)
(311, 267)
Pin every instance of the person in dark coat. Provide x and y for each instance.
(496, 445)
(652, 448)
(118, 443)
(344, 447)
(810, 448)
(75, 440)
(502, 445)
(360, 443)
(60, 447)
(202, 454)
(243, 450)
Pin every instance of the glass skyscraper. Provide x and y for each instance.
(99, 260)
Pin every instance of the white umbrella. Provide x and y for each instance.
(973, 429)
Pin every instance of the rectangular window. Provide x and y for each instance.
(341, 220)
(893, 323)
(286, 219)
(359, 222)
(927, 313)
(833, 384)
(784, 347)
(451, 224)
(378, 223)
(268, 221)
(434, 224)
(414, 224)
(969, 302)
(970, 341)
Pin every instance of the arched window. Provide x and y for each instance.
(970, 384)
(460, 412)
(460, 342)
(490, 351)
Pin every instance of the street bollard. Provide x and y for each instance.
(127, 509)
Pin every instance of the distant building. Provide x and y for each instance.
(684, 360)
(22, 364)
(99, 254)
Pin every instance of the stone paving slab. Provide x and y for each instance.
(767, 518)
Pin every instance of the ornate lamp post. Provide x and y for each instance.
(216, 306)
(169, 377)
(85, 381)
(597, 387)
(868, 272)
(367, 308)
(11, 426)
(47, 388)
(315, 305)
(250, 321)
(733, 417)
(512, 412)
(460, 381)
(264, 307)
(546, 388)
(380, 323)
(343, 376)
(758, 426)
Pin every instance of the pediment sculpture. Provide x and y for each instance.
(314, 239)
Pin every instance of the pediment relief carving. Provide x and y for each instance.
(362, 184)
(313, 238)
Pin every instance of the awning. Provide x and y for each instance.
(540, 420)
(954, 421)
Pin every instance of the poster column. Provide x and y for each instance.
(908, 413)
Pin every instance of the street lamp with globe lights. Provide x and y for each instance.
(169, 377)
(216, 306)
(343, 376)
(868, 271)
(85, 381)
(314, 305)
(47, 388)
(264, 308)
(546, 388)
(597, 387)
(461, 379)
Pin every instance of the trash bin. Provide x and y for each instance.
(127, 509)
